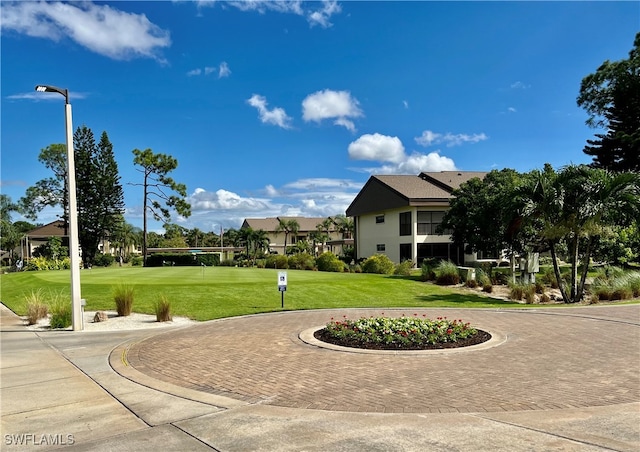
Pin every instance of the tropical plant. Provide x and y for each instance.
(575, 205)
(288, 226)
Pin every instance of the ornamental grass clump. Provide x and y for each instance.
(60, 310)
(37, 307)
(123, 297)
(447, 274)
(403, 332)
(163, 309)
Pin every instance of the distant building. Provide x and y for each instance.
(398, 215)
(337, 240)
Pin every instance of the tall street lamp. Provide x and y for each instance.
(74, 246)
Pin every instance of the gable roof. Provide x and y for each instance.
(53, 229)
(392, 191)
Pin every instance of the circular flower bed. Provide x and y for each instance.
(402, 333)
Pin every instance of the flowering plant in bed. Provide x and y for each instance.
(401, 333)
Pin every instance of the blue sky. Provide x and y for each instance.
(287, 108)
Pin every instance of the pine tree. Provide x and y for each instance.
(99, 192)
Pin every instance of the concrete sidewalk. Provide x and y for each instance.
(58, 390)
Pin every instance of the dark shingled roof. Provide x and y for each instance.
(392, 191)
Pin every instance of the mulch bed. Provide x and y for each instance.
(478, 338)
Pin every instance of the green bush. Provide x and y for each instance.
(123, 297)
(302, 261)
(182, 259)
(60, 313)
(103, 260)
(329, 262)
(163, 309)
(137, 261)
(277, 261)
(404, 268)
(488, 287)
(378, 263)
(447, 274)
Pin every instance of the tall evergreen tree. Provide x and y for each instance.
(611, 96)
(100, 194)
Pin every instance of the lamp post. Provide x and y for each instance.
(74, 246)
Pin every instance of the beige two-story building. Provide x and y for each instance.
(399, 215)
(307, 225)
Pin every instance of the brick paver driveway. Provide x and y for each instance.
(553, 358)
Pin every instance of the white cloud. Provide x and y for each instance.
(429, 138)
(100, 28)
(315, 15)
(317, 197)
(276, 116)
(321, 16)
(405, 103)
(329, 104)
(390, 151)
(223, 70)
(47, 96)
(519, 85)
(511, 110)
(377, 147)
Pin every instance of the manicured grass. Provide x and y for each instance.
(217, 292)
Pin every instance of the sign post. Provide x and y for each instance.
(282, 285)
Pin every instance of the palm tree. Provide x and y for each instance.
(576, 205)
(290, 226)
(345, 226)
(259, 242)
(244, 238)
(126, 236)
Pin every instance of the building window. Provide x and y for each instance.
(379, 218)
(428, 223)
(405, 252)
(380, 247)
(405, 223)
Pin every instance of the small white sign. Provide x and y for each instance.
(282, 279)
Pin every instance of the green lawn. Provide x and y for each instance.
(217, 292)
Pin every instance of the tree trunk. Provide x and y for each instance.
(574, 267)
(556, 270)
(144, 224)
(585, 270)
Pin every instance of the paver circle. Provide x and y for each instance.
(551, 359)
